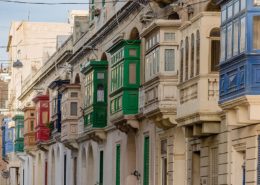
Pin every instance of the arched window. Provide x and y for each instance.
(214, 49)
(198, 52)
(186, 58)
(192, 55)
(181, 62)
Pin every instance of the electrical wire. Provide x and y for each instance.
(61, 3)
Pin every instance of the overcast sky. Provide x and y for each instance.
(15, 12)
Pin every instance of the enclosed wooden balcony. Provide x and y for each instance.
(29, 128)
(70, 107)
(42, 118)
(19, 131)
(95, 100)
(159, 96)
(125, 81)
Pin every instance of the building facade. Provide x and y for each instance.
(151, 93)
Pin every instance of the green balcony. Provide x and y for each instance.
(95, 98)
(19, 129)
(125, 79)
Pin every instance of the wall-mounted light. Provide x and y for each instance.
(136, 174)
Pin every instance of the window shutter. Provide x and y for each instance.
(118, 165)
(101, 165)
(146, 161)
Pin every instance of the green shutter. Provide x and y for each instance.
(118, 165)
(101, 167)
(146, 160)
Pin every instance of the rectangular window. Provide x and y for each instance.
(236, 8)
(215, 55)
(89, 90)
(132, 73)
(256, 32)
(169, 59)
(101, 167)
(235, 37)
(229, 41)
(242, 34)
(73, 108)
(118, 164)
(230, 11)
(152, 64)
(243, 4)
(169, 36)
(32, 125)
(74, 95)
(224, 14)
(146, 160)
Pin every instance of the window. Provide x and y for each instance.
(229, 41)
(152, 64)
(192, 55)
(169, 36)
(197, 52)
(181, 63)
(32, 125)
(224, 14)
(186, 58)
(152, 40)
(236, 8)
(89, 90)
(235, 37)
(118, 164)
(100, 93)
(146, 160)
(215, 48)
(132, 73)
(243, 4)
(169, 60)
(164, 162)
(256, 32)
(242, 34)
(73, 108)
(117, 77)
(230, 11)
(74, 95)
(20, 133)
(103, 3)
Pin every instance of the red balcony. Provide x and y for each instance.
(42, 118)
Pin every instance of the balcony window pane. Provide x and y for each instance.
(73, 108)
(242, 34)
(224, 14)
(223, 44)
(186, 58)
(230, 11)
(229, 41)
(132, 73)
(243, 4)
(197, 52)
(256, 32)
(236, 7)
(181, 62)
(192, 55)
(169, 60)
(235, 38)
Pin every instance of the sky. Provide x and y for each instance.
(41, 13)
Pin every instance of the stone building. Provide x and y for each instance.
(134, 96)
